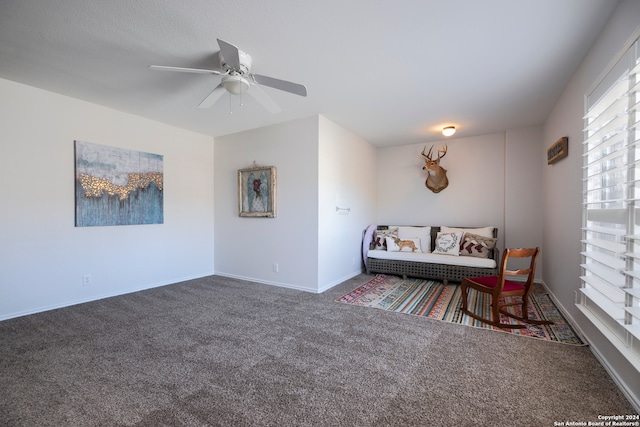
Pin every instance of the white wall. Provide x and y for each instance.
(347, 180)
(475, 195)
(247, 247)
(43, 256)
(493, 180)
(318, 163)
(562, 187)
(523, 190)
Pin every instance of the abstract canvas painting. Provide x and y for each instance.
(115, 186)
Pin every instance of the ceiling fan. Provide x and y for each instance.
(235, 67)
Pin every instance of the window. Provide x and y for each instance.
(610, 282)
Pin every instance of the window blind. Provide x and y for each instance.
(610, 280)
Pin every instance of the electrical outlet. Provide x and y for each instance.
(275, 268)
(86, 279)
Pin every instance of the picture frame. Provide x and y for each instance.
(257, 191)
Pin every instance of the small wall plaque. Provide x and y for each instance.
(558, 150)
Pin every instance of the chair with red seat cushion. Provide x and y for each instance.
(499, 286)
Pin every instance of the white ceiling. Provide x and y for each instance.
(391, 71)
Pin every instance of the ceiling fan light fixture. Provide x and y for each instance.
(235, 85)
(448, 130)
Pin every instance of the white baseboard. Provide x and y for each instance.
(100, 296)
(622, 385)
(264, 282)
(337, 282)
(290, 286)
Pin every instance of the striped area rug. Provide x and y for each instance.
(435, 300)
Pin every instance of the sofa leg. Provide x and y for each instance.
(404, 277)
(445, 282)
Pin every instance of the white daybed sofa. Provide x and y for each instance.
(476, 254)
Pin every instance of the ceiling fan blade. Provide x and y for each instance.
(214, 96)
(284, 85)
(264, 99)
(184, 70)
(230, 54)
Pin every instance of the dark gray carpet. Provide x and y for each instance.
(218, 351)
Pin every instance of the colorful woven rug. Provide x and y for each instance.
(435, 300)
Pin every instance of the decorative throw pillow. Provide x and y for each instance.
(380, 236)
(395, 244)
(422, 233)
(482, 231)
(477, 246)
(448, 243)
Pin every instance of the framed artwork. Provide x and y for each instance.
(257, 191)
(115, 186)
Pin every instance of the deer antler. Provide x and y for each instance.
(443, 151)
(427, 156)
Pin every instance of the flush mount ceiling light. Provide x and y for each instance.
(235, 84)
(449, 130)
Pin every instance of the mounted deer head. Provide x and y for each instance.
(437, 179)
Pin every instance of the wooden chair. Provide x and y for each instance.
(499, 286)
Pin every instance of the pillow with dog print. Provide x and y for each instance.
(422, 233)
(395, 244)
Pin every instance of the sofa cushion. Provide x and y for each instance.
(476, 245)
(448, 243)
(482, 231)
(463, 261)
